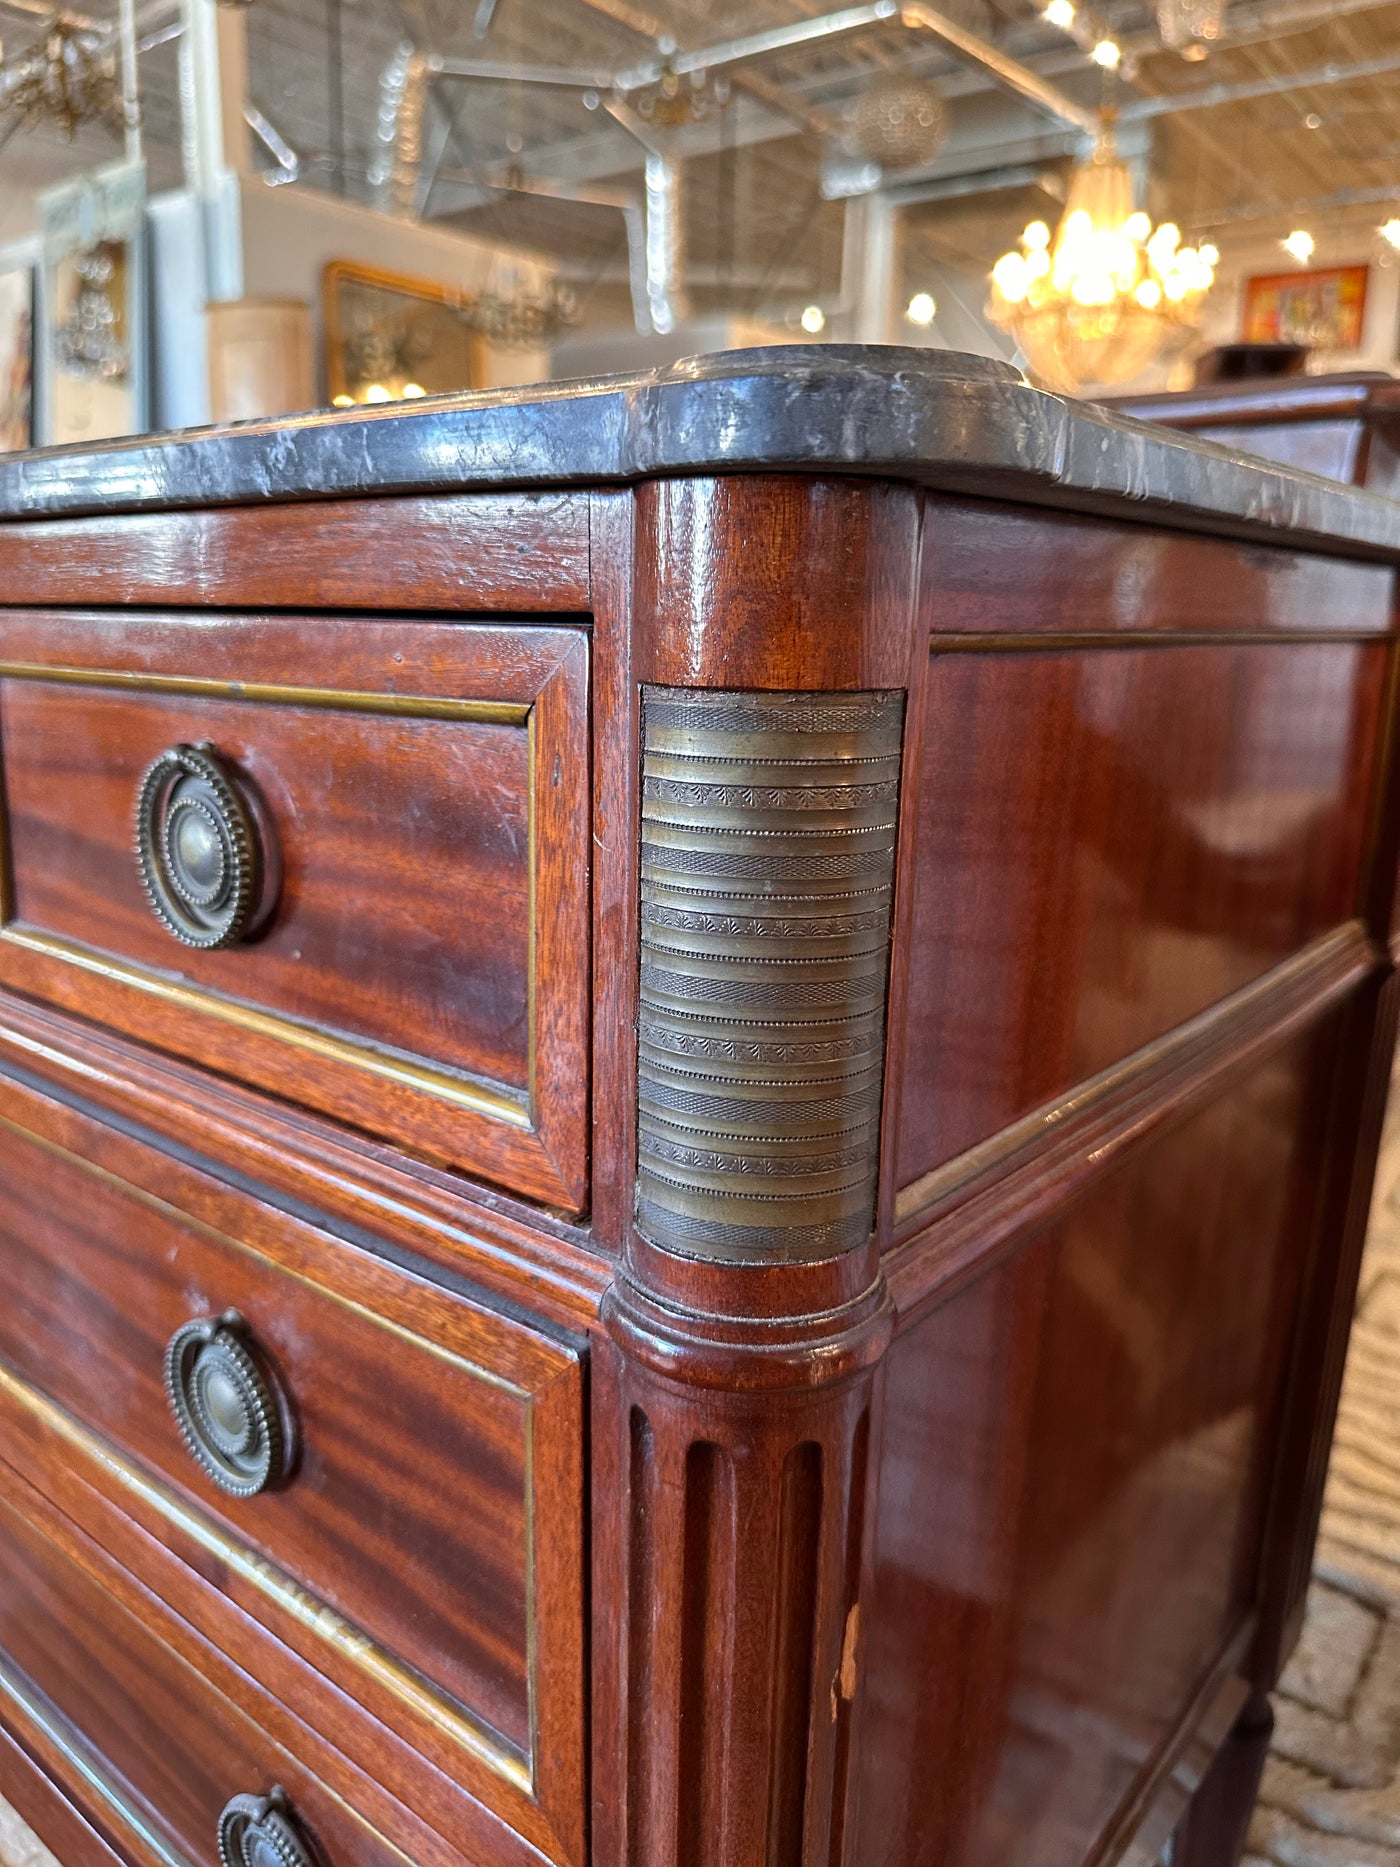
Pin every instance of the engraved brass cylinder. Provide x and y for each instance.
(768, 843)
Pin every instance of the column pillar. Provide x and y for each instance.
(736, 1390)
(213, 95)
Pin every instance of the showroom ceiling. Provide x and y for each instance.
(1295, 105)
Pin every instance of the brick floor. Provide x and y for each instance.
(1331, 1791)
(19, 1845)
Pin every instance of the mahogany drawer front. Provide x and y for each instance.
(418, 791)
(425, 1549)
(151, 1751)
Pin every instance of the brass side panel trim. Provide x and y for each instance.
(769, 825)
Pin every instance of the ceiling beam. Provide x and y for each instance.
(1210, 96)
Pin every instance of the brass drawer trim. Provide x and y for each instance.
(277, 1586)
(79, 1758)
(513, 1108)
(333, 699)
(529, 1135)
(499, 1104)
(435, 1706)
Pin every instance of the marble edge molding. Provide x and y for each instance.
(939, 418)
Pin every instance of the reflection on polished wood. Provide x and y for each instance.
(791, 1151)
(1346, 427)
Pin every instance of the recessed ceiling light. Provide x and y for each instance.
(813, 319)
(1301, 245)
(1390, 232)
(922, 309)
(1060, 13)
(1107, 52)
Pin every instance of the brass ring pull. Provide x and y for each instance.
(197, 848)
(261, 1831)
(228, 1406)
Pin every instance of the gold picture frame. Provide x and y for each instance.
(390, 336)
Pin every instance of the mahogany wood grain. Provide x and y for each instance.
(107, 1248)
(520, 1253)
(973, 1209)
(136, 1732)
(775, 582)
(1110, 840)
(967, 1554)
(42, 1805)
(616, 741)
(237, 1629)
(479, 552)
(433, 869)
(1002, 570)
(1076, 1454)
(1216, 1826)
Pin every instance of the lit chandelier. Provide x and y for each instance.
(66, 78)
(1093, 305)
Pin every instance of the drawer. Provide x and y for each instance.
(150, 1751)
(386, 821)
(419, 1538)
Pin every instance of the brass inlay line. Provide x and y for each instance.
(500, 1105)
(1330, 959)
(128, 1189)
(439, 1707)
(74, 1750)
(277, 1586)
(1051, 642)
(76, 1756)
(265, 693)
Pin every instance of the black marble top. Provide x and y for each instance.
(957, 422)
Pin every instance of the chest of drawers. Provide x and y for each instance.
(688, 1079)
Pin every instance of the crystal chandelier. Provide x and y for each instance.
(88, 342)
(68, 77)
(1093, 305)
(1190, 26)
(523, 319)
(899, 122)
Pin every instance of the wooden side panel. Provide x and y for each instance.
(998, 570)
(1076, 1451)
(1110, 839)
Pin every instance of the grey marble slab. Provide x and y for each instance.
(936, 417)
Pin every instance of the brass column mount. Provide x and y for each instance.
(768, 844)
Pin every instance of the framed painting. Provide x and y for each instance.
(16, 359)
(1324, 309)
(389, 337)
(92, 306)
